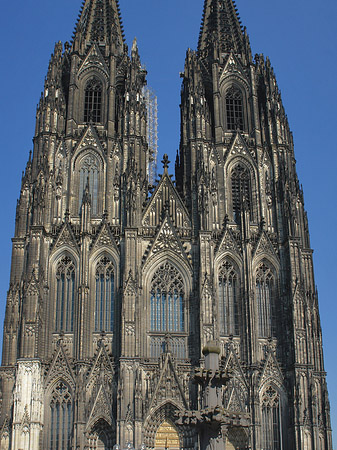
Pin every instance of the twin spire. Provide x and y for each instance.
(221, 25)
(100, 21)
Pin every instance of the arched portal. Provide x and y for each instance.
(237, 439)
(101, 437)
(167, 437)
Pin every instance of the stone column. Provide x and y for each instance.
(28, 406)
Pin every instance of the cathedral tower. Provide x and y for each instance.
(179, 315)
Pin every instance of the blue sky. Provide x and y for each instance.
(300, 38)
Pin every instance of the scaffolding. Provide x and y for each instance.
(152, 131)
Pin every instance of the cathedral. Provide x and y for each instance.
(178, 313)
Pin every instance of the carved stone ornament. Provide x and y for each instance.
(166, 240)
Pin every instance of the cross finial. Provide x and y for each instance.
(165, 161)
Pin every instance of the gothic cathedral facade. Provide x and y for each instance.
(118, 284)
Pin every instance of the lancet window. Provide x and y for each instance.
(265, 289)
(89, 174)
(241, 190)
(105, 295)
(61, 418)
(271, 420)
(234, 109)
(167, 300)
(93, 101)
(65, 295)
(228, 299)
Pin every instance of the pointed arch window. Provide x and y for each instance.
(271, 420)
(90, 173)
(65, 295)
(61, 418)
(265, 288)
(234, 109)
(93, 101)
(241, 190)
(228, 300)
(167, 300)
(105, 295)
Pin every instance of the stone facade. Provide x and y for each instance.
(117, 285)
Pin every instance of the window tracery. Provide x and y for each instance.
(228, 299)
(167, 300)
(89, 173)
(234, 109)
(241, 190)
(65, 295)
(105, 293)
(93, 101)
(61, 419)
(265, 285)
(271, 420)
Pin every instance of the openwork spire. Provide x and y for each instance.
(221, 26)
(100, 21)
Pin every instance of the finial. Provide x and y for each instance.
(134, 45)
(165, 162)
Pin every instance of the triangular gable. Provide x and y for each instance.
(232, 66)
(5, 430)
(235, 401)
(60, 367)
(228, 244)
(234, 369)
(239, 147)
(207, 286)
(264, 246)
(94, 59)
(271, 371)
(32, 287)
(89, 139)
(101, 408)
(168, 387)
(214, 155)
(130, 286)
(104, 239)
(166, 195)
(66, 237)
(167, 239)
(102, 364)
(235, 396)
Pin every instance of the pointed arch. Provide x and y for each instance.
(167, 284)
(241, 176)
(60, 416)
(271, 418)
(266, 288)
(166, 412)
(65, 293)
(234, 112)
(167, 293)
(228, 287)
(167, 436)
(89, 168)
(93, 93)
(104, 295)
(241, 189)
(101, 436)
(234, 92)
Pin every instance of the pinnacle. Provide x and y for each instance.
(100, 21)
(221, 24)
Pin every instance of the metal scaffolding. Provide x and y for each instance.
(152, 131)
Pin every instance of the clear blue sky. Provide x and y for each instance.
(299, 36)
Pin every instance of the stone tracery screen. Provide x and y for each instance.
(167, 300)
